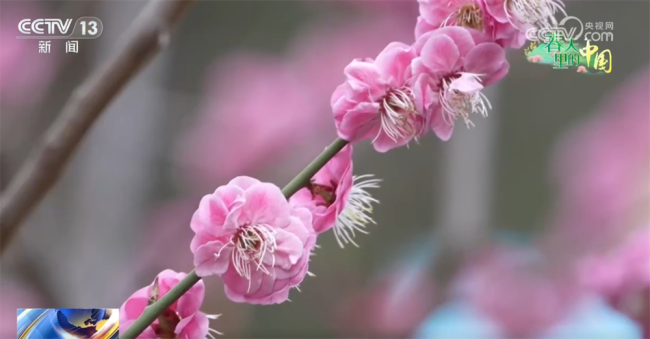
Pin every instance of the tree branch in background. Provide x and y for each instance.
(47, 161)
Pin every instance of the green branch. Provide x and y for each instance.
(152, 311)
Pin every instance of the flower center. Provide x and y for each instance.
(458, 104)
(252, 243)
(398, 114)
(538, 13)
(326, 193)
(166, 326)
(470, 16)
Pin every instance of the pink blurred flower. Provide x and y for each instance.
(256, 108)
(163, 232)
(247, 233)
(458, 63)
(336, 200)
(513, 289)
(470, 14)
(13, 296)
(25, 74)
(378, 101)
(393, 304)
(181, 320)
(537, 58)
(623, 277)
(581, 69)
(602, 168)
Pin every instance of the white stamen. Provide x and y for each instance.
(537, 13)
(210, 330)
(397, 115)
(457, 104)
(355, 215)
(252, 243)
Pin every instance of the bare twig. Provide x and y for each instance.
(42, 169)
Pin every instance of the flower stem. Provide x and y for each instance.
(154, 310)
(302, 179)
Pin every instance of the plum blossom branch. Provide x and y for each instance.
(153, 311)
(44, 166)
(303, 177)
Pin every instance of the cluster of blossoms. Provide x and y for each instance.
(259, 240)
(409, 89)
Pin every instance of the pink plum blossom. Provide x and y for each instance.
(457, 63)
(536, 58)
(582, 69)
(471, 14)
(519, 291)
(379, 101)
(525, 14)
(247, 233)
(337, 199)
(182, 319)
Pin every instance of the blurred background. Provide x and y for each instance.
(509, 230)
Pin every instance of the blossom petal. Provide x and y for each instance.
(365, 77)
(440, 54)
(264, 204)
(193, 326)
(485, 59)
(243, 182)
(394, 62)
(443, 129)
(359, 122)
(191, 301)
(212, 258)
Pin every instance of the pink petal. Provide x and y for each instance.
(364, 77)
(394, 61)
(135, 304)
(498, 75)
(167, 279)
(208, 263)
(193, 326)
(229, 193)
(383, 143)
(236, 287)
(440, 54)
(422, 27)
(357, 123)
(466, 83)
(485, 59)
(288, 251)
(210, 216)
(440, 127)
(265, 204)
(191, 301)
(243, 182)
(424, 96)
(200, 239)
